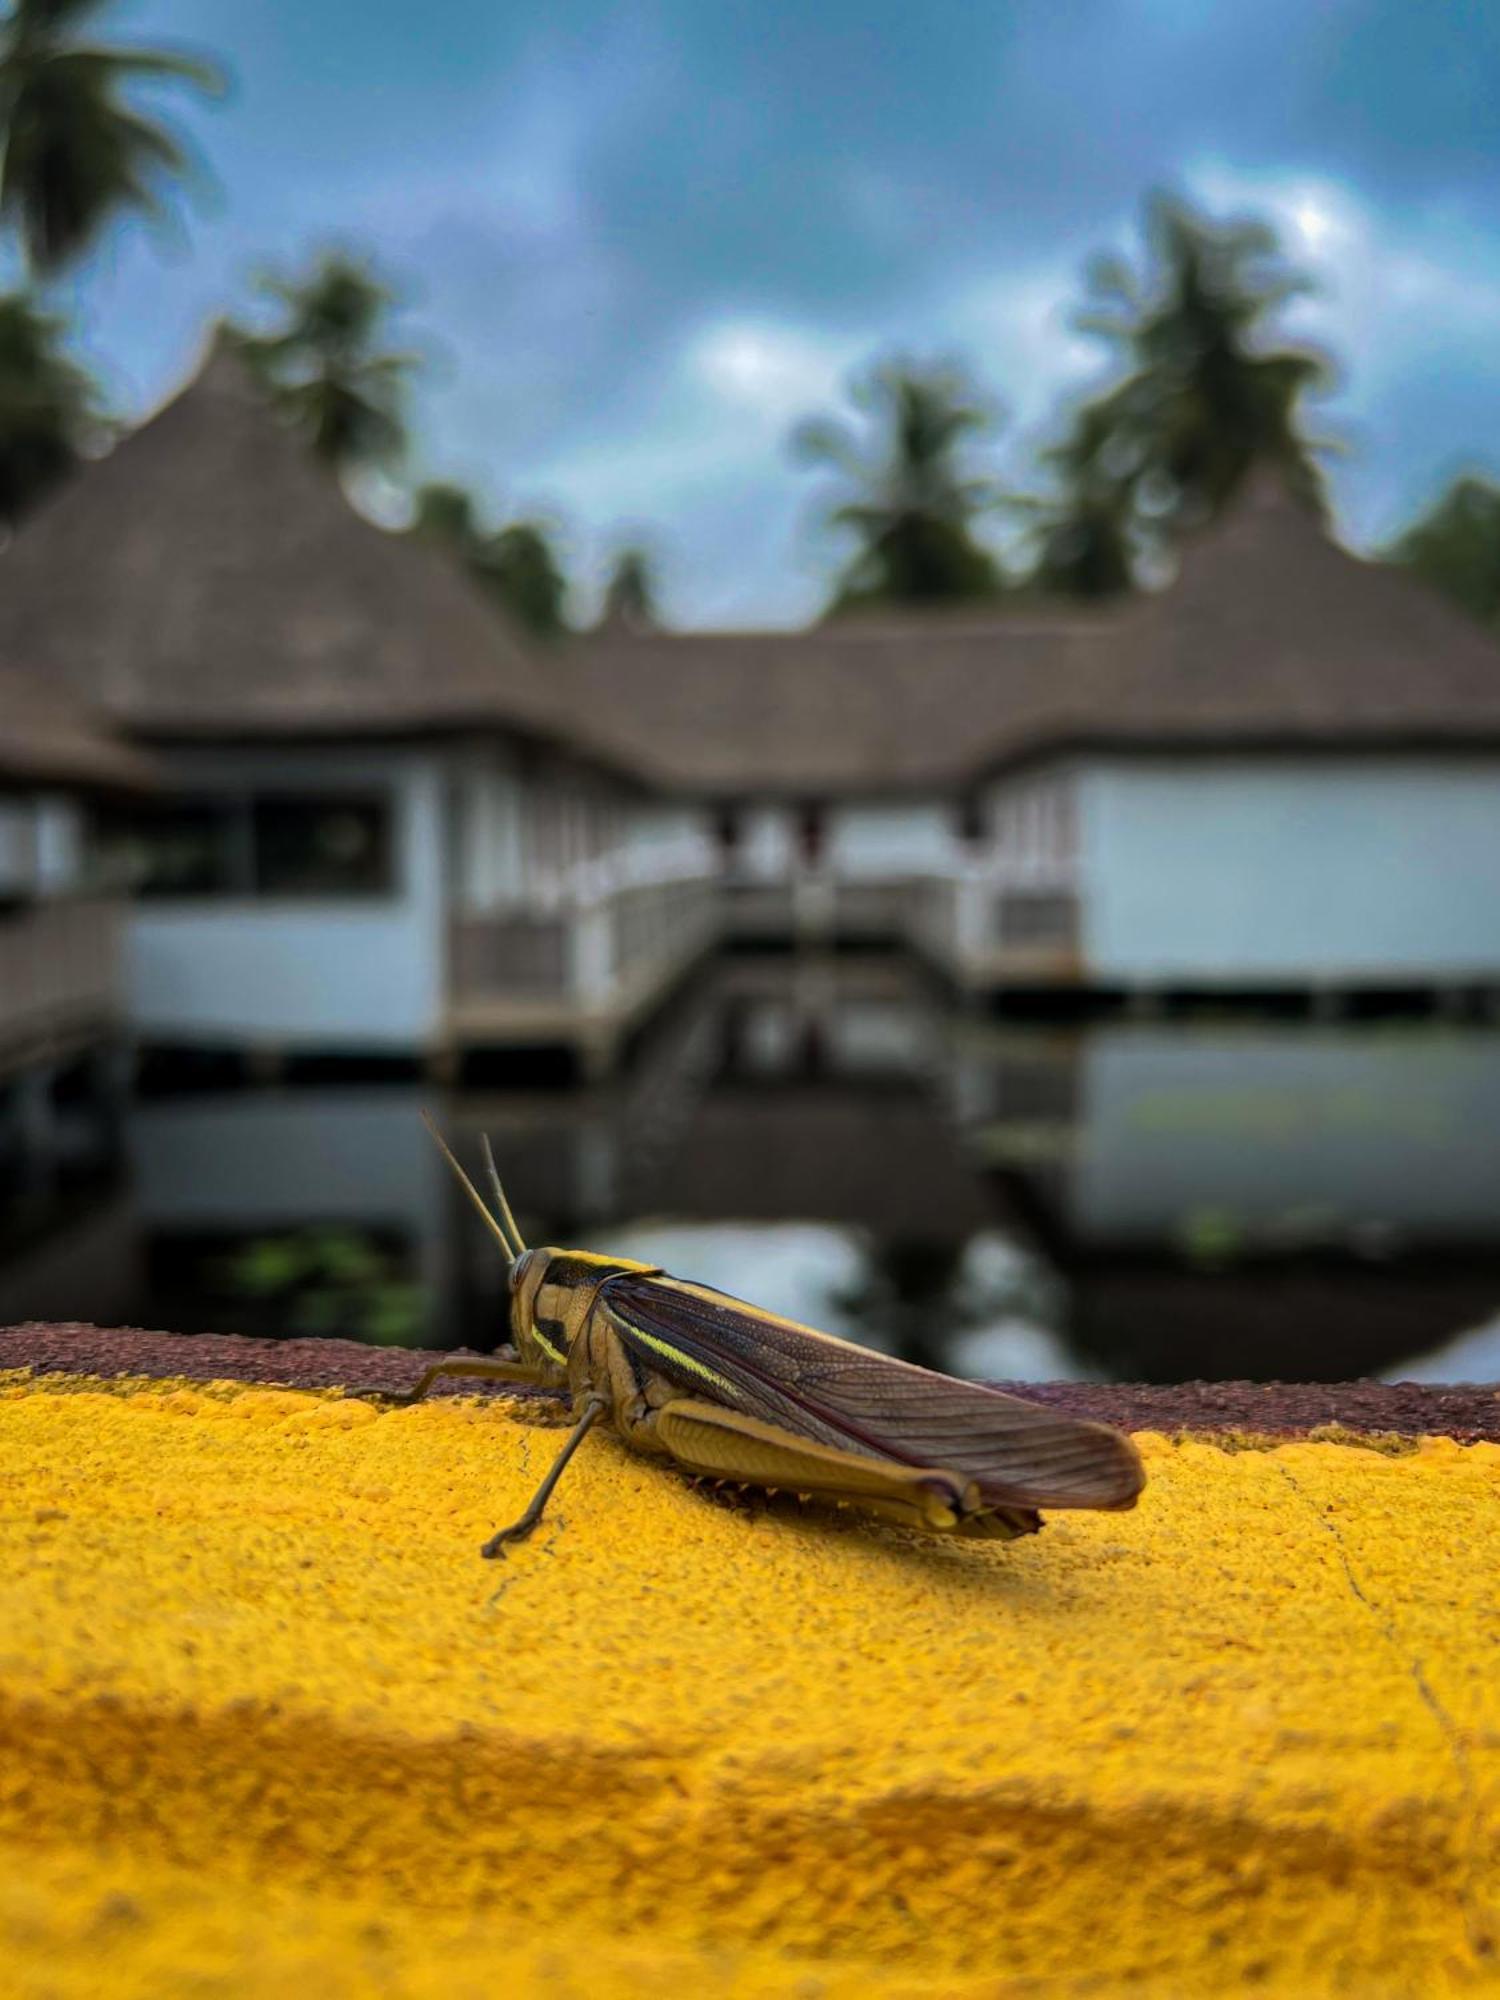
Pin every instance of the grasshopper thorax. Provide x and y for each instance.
(553, 1293)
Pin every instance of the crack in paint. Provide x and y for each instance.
(1476, 1926)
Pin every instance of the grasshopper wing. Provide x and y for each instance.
(849, 1397)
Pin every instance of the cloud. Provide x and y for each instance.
(773, 373)
(1017, 326)
(1388, 286)
(702, 446)
(700, 450)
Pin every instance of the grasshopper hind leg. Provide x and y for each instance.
(710, 1441)
(519, 1529)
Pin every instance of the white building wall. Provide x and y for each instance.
(337, 972)
(1296, 869)
(768, 843)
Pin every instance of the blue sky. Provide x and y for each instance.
(640, 241)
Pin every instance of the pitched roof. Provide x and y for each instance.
(210, 577)
(48, 738)
(1273, 631)
(1272, 635)
(830, 710)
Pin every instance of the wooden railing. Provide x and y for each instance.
(514, 953)
(988, 929)
(60, 969)
(587, 952)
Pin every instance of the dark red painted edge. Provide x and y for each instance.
(1469, 1412)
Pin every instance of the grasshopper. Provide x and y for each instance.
(737, 1395)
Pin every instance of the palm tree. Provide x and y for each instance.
(1456, 547)
(325, 367)
(73, 153)
(1204, 394)
(910, 503)
(520, 567)
(443, 512)
(630, 593)
(1084, 533)
(49, 411)
(517, 565)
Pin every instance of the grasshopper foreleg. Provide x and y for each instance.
(518, 1530)
(486, 1367)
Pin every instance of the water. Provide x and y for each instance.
(1117, 1201)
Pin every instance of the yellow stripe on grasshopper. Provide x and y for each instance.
(671, 1353)
(553, 1353)
(607, 1263)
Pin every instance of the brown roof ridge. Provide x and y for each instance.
(900, 623)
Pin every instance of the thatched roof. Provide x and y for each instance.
(830, 710)
(1273, 633)
(210, 578)
(49, 738)
(1272, 636)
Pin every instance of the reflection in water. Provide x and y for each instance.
(1120, 1200)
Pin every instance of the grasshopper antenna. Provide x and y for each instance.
(495, 1228)
(505, 1212)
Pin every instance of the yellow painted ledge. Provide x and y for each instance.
(265, 1721)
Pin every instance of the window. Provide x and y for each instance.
(185, 849)
(273, 845)
(320, 847)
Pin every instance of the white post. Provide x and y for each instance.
(973, 929)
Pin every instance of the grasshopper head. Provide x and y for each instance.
(541, 1339)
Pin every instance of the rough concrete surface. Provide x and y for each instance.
(266, 1719)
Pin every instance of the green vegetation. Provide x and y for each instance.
(630, 595)
(49, 410)
(1203, 392)
(74, 155)
(517, 564)
(76, 152)
(910, 500)
(1206, 390)
(326, 366)
(1083, 528)
(520, 568)
(1456, 548)
(328, 1281)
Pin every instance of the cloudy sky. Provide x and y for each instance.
(640, 241)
